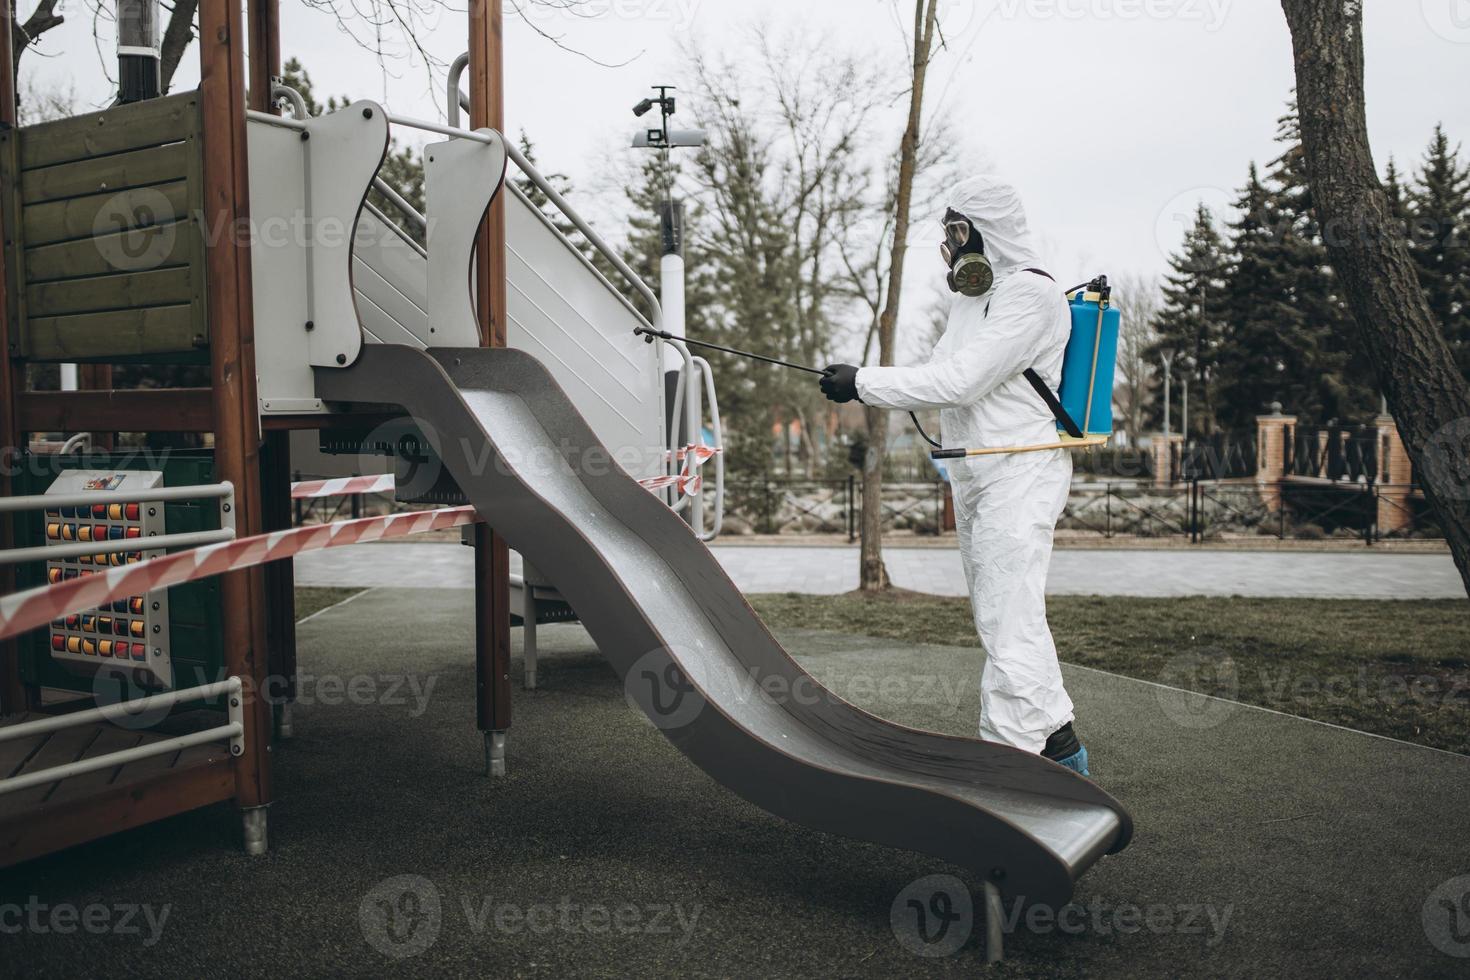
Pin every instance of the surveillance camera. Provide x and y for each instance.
(641, 109)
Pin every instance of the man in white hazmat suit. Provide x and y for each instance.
(1006, 506)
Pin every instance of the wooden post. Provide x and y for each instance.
(12, 380)
(226, 216)
(279, 577)
(265, 52)
(492, 558)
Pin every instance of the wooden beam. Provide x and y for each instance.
(140, 410)
(232, 351)
(492, 557)
(30, 834)
(265, 52)
(12, 381)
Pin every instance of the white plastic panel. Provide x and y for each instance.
(563, 312)
(460, 178)
(388, 272)
(305, 196)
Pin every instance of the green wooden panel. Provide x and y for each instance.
(84, 217)
(119, 332)
(120, 171)
(159, 287)
(135, 292)
(115, 130)
(142, 250)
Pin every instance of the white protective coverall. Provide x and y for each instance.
(1006, 507)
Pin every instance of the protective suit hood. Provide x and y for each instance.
(994, 206)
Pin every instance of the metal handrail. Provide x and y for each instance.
(43, 501)
(234, 731)
(717, 431)
(58, 552)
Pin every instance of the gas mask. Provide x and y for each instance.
(970, 272)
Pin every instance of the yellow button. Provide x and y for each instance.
(68, 532)
(114, 512)
(105, 647)
(89, 648)
(53, 531)
(137, 627)
(73, 644)
(84, 533)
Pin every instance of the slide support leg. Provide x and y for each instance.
(495, 755)
(256, 842)
(994, 919)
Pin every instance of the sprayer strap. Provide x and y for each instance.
(1044, 390)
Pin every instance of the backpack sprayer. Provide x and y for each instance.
(1089, 364)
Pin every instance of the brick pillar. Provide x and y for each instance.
(1168, 450)
(1274, 436)
(1395, 476)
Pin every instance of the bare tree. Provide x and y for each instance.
(1139, 300)
(1428, 395)
(873, 574)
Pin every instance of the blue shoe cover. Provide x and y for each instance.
(1077, 761)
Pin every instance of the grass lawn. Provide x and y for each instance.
(1400, 669)
(310, 601)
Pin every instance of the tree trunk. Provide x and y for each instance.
(873, 574)
(1428, 396)
(176, 38)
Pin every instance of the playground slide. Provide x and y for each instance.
(696, 658)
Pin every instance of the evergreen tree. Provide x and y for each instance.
(1190, 325)
(402, 168)
(1439, 202)
(1262, 356)
(1329, 379)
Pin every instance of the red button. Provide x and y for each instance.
(135, 605)
(140, 652)
(99, 510)
(135, 532)
(132, 512)
(58, 642)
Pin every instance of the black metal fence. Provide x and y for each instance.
(1200, 510)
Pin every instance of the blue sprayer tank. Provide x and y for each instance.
(1091, 360)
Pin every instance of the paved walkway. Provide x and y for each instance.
(828, 571)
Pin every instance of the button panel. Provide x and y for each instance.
(132, 630)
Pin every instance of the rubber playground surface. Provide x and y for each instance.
(1266, 845)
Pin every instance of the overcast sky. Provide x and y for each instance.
(1113, 116)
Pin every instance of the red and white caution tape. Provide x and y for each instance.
(36, 607)
(315, 489)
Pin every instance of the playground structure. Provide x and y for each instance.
(503, 374)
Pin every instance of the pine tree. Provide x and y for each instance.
(1190, 325)
(1439, 203)
(1328, 379)
(1261, 357)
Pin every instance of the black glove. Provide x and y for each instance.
(839, 383)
